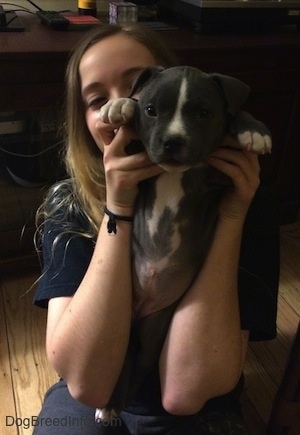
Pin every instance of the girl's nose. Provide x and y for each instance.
(116, 93)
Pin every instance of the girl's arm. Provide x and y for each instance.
(204, 352)
(88, 334)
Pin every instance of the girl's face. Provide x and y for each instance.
(108, 70)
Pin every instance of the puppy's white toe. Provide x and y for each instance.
(245, 140)
(103, 112)
(98, 415)
(255, 142)
(127, 110)
(268, 144)
(117, 111)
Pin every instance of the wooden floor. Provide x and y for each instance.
(25, 375)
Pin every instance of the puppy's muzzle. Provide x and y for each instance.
(172, 155)
(173, 145)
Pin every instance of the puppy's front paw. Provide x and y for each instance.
(107, 414)
(256, 142)
(117, 111)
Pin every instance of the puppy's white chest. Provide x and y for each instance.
(158, 246)
(169, 193)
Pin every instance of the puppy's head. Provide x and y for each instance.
(182, 113)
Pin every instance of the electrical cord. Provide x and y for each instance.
(24, 9)
(42, 10)
(11, 153)
(15, 16)
(33, 4)
(20, 8)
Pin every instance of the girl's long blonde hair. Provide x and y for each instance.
(83, 158)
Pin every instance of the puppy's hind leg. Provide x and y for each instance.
(151, 333)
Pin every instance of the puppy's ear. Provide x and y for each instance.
(144, 77)
(235, 91)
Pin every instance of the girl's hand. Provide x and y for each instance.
(123, 172)
(243, 168)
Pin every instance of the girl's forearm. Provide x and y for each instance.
(204, 350)
(90, 340)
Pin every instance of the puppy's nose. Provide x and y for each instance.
(172, 144)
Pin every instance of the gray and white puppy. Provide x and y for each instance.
(182, 116)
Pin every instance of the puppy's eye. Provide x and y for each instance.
(203, 113)
(150, 110)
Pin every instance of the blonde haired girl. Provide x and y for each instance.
(86, 282)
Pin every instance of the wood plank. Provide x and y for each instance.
(264, 369)
(290, 234)
(7, 407)
(289, 249)
(289, 291)
(266, 361)
(290, 260)
(287, 321)
(26, 327)
(260, 388)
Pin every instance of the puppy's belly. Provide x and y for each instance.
(172, 232)
(158, 277)
(157, 284)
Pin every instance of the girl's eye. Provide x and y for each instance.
(96, 103)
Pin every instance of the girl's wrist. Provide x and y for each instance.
(121, 210)
(232, 226)
(115, 219)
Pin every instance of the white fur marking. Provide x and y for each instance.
(170, 191)
(176, 125)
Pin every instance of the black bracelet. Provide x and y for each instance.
(112, 224)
